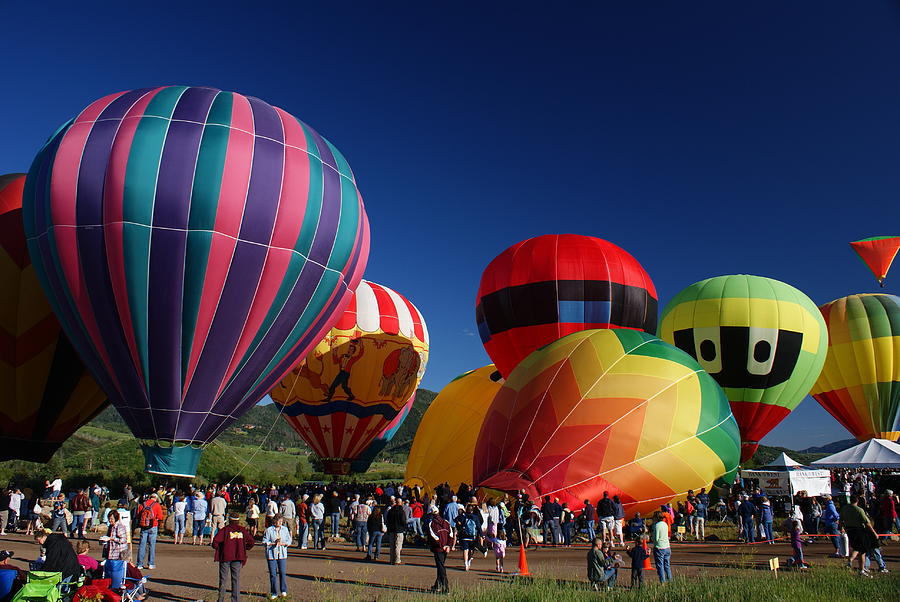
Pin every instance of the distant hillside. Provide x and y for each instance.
(832, 448)
(766, 454)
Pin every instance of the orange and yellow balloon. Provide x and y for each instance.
(45, 392)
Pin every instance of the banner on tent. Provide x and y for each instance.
(813, 482)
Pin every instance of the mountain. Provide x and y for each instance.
(766, 454)
(832, 448)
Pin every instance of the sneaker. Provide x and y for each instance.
(865, 573)
(273, 597)
(284, 594)
(884, 570)
(150, 567)
(140, 567)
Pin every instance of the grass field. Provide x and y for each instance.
(832, 584)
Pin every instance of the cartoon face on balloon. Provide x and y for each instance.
(762, 340)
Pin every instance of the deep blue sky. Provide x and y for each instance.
(706, 138)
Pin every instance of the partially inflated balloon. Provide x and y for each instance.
(544, 288)
(356, 381)
(607, 410)
(194, 244)
(45, 392)
(444, 445)
(762, 340)
(364, 461)
(860, 383)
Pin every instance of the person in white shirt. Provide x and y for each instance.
(271, 511)
(178, 512)
(56, 487)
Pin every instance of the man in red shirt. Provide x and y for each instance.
(231, 545)
(147, 517)
(415, 520)
(440, 536)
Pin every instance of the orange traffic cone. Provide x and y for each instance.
(523, 563)
(647, 565)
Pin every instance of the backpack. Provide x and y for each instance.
(466, 526)
(145, 515)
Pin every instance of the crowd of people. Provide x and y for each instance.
(234, 518)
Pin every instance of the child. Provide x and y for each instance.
(88, 563)
(499, 545)
(797, 546)
(638, 555)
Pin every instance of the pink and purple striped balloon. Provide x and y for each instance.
(194, 244)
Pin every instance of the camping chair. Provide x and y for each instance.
(130, 589)
(42, 586)
(7, 581)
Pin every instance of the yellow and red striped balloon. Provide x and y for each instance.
(355, 382)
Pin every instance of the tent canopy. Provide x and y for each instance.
(874, 453)
(783, 462)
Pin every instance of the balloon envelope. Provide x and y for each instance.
(860, 383)
(544, 288)
(607, 410)
(763, 341)
(45, 392)
(364, 461)
(194, 244)
(878, 254)
(355, 382)
(444, 446)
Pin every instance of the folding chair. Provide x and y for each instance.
(130, 589)
(7, 580)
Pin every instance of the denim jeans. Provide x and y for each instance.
(77, 526)
(768, 528)
(360, 534)
(179, 524)
(318, 529)
(590, 529)
(415, 527)
(58, 524)
(148, 539)
(662, 559)
(335, 523)
(835, 535)
(749, 530)
(874, 555)
(302, 535)
(375, 542)
(277, 576)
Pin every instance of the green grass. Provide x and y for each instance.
(832, 584)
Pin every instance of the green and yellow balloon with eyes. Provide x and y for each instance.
(762, 340)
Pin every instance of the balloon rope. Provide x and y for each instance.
(266, 438)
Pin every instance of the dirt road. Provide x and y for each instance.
(188, 573)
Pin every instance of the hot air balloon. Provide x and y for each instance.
(45, 392)
(355, 382)
(194, 244)
(445, 439)
(364, 460)
(607, 410)
(544, 288)
(762, 340)
(877, 253)
(860, 383)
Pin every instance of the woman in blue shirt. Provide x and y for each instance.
(277, 539)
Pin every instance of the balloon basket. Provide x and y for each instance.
(335, 466)
(174, 461)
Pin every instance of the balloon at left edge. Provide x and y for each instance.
(194, 244)
(45, 392)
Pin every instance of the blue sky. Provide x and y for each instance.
(706, 138)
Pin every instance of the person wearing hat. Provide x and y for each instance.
(440, 538)
(231, 544)
(148, 515)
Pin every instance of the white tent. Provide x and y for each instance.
(786, 476)
(874, 453)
